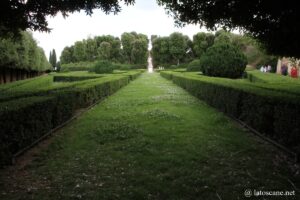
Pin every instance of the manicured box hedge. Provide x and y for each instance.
(275, 114)
(72, 78)
(24, 120)
(276, 82)
(45, 86)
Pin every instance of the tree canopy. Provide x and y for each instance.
(16, 15)
(274, 23)
(168, 51)
(132, 48)
(22, 54)
(171, 50)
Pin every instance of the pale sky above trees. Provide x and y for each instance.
(144, 17)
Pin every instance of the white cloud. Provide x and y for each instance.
(144, 17)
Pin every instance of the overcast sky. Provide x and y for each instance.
(144, 17)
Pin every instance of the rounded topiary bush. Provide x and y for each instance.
(103, 66)
(223, 60)
(194, 66)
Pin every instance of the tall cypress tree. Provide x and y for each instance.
(52, 58)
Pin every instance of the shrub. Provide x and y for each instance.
(272, 113)
(223, 60)
(125, 67)
(138, 66)
(103, 66)
(183, 65)
(79, 66)
(194, 66)
(173, 67)
(24, 120)
(73, 78)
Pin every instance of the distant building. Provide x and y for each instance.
(288, 63)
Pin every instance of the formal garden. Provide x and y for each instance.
(148, 117)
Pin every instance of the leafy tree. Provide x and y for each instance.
(107, 47)
(58, 66)
(22, 53)
(88, 50)
(153, 37)
(274, 24)
(79, 51)
(104, 51)
(67, 55)
(160, 51)
(42, 63)
(223, 60)
(177, 46)
(116, 50)
(91, 49)
(50, 57)
(18, 15)
(115, 44)
(127, 41)
(171, 50)
(9, 54)
(201, 41)
(131, 44)
(139, 52)
(253, 50)
(223, 37)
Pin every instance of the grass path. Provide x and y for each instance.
(151, 140)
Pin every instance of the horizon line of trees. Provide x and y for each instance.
(131, 48)
(177, 49)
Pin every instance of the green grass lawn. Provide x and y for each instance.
(151, 140)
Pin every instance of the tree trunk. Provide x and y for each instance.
(19, 74)
(6, 76)
(13, 74)
(1, 76)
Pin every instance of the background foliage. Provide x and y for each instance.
(22, 53)
(134, 49)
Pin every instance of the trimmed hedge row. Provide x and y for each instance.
(253, 78)
(73, 78)
(41, 88)
(274, 82)
(275, 114)
(24, 120)
(79, 66)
